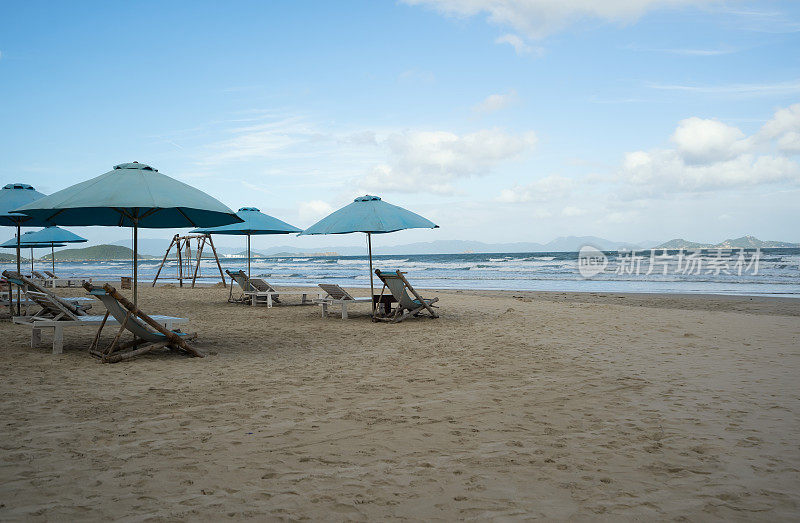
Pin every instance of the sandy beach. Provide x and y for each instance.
(509, 406)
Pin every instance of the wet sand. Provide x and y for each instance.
(511, 405)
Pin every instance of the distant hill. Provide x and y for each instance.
(680, 243)
(745, 242)
(96, 253)
(148, 246)
(10, 258)
(751, 242)
(253, 254)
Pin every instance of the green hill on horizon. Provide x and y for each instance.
(11, 258)
(745, 242)
(96, 253)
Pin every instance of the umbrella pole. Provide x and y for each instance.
(53, 257)
(371, 285)
(135, 262)
(248, 259)
(19, 267)
(31, 261)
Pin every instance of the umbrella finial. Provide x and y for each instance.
(367, 198)
(135, 165)
(24, 186)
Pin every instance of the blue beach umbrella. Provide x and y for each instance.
(52, 237)
(25, 243)
(12, 196)
(132, 195)
(253, 222)
(370, 215)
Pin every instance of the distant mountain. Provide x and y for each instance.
(751, 242)
(10, 258)
(148, 246)
(574, 243)
(155, 247)
(253, 254)
(96, 253)
(680, 243)
(745, 242)
(456, 247)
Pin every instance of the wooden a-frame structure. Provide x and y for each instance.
(183, 250)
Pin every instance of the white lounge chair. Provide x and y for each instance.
(52, 306)
(58, 313)
(335, 295)
(56, 281)
(257, 291)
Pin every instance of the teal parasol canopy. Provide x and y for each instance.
(253, 222)
(131, 195)
(371, 215)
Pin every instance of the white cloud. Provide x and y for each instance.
(784, 129)
(519, 45)
(385, 178)
(711, 155)
(664, 171)
(314, 210)
(432, 160)
(703, 141)
(264, 140)
(496, 102)
(542, 190)
(539, 18)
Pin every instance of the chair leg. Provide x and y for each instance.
(324, 306)
(58, 339)
(36, 337)
(269, 301)
(344, 310)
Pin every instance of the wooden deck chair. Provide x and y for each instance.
(52, 307)
(397, 284)
(65, 282)
(55, 314)
(262, 287)
(240, 278)
(265, 293)
(149, 333)
(335, 295)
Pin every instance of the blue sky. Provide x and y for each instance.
(501, 120)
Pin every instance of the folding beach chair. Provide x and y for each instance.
(406, 306)
(150, 332)
(55, 314)
(65, 282)
(335, 295)
(265, 293)
(240, 278)
(52, 306)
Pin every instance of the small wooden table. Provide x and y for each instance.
(383, 304)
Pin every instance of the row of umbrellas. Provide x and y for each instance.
(136, 195)
(48, 237)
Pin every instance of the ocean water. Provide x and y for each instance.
(769, 272)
